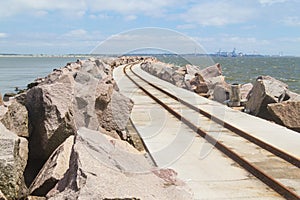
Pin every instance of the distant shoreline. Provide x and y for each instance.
(145, 54)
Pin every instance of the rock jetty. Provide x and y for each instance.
(267, 98)
(66, 137)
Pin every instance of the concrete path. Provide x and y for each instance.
(208, 172)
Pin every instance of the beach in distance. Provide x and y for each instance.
(19, 71)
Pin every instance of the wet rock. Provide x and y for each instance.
(101, 168)
(15, 117)
(7, 96)
(286, 113)
(266, 90)
(53, 170)
(13, 160)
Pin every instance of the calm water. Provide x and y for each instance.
(247, 69)
(19, 71)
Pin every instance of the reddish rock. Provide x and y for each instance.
(286, 113)
(15, 117)
(211, 71)
(53, 170)
(101, 167)
(198, 85)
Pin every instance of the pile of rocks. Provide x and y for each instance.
(272, 100)
(63, 139)
(268, 98)
(208, 82)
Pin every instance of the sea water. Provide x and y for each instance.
(19, 71)
(247, 69)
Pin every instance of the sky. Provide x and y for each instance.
(268, 27)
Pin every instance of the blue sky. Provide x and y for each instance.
(68, 26)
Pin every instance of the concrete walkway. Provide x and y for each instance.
(208, 172)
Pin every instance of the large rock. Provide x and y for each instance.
(220, 93)
(211, 71)
(82, 94)
(116, 113)
(15, 117)
(286, 113)
(53, 170)
(50, 112)
(266, 90)
(102, 167)
(13, 160)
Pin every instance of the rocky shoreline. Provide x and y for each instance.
(66, 137)
(267, 97)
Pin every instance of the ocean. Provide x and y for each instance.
(247, 69)
(19, 71)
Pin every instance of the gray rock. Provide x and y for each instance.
(220, 93)
(13, 160)
(266, 90)
(53, 170)
(286, 113)
(102, 167)
(15, 117)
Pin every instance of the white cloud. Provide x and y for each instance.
(76, 33)
(217, 14)
(14, 7)
(291, 21)
(130, 17)
(270, 2)
(3, 35)
(186, 26)
(80, 7)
